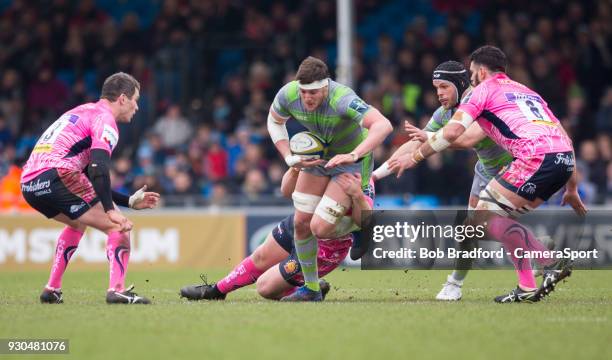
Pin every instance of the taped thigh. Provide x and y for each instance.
(306, 203)
(330, 210)
(492, 200)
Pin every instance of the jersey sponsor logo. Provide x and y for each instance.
(42, 148)
(75, 208)
(529, 188)
(109, 136)
(42, 192)
(516, 96)
(359, 106)
(565, 159)
(35, 186)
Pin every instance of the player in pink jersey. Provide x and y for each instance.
(519, 120)
(54, 182)
(274, 265)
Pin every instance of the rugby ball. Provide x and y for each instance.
(307, 145)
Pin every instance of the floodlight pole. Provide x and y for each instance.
(344, 68)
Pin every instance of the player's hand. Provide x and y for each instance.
(573, 199)
(118, 218)
(401, 163)
(414, 133)
(350, 184)
(307, 163)
(300, 162)
(143, 199)
(341, 159)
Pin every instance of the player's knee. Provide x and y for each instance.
(322, 229)
(265, 289)
(301, 225)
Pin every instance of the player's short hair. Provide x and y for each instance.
(311, 69)
(117, 84)
(490, 56)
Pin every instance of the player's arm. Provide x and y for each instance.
(438, 142)
(470, 108)
(288, 182)
(98, 172)
(379, 127)
(359, 204)
(280, 137)
(472, 136)
(120, 198)
(406, 148)
(278, 133)
(141, 199)
(351, 185)
(442, 138)
(571, 195)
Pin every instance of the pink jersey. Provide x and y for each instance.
(515, 117)
(67, 143)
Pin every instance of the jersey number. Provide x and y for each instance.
(533, 111)
(51, 134)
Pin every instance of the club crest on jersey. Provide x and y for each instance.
(290, 266)
(109, 136)
(359, 106)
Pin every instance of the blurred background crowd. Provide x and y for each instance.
(209, 70)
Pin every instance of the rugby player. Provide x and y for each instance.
(67, 179)
(351, 129)
(274, 282)
(452, 82)
(518, 120)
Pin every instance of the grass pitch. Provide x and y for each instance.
(368, 314)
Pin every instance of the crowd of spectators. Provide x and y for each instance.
(210, 69)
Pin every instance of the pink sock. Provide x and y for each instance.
(526, 279)
(514, 235)
(118, 255)
(244, 274)
(67, 244)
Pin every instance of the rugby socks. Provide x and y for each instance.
(463, 265)
(459, 275)
(67, 244)
(118, 255)
(526, 279)
(243, 274)
(514, 235)
(307, 255)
